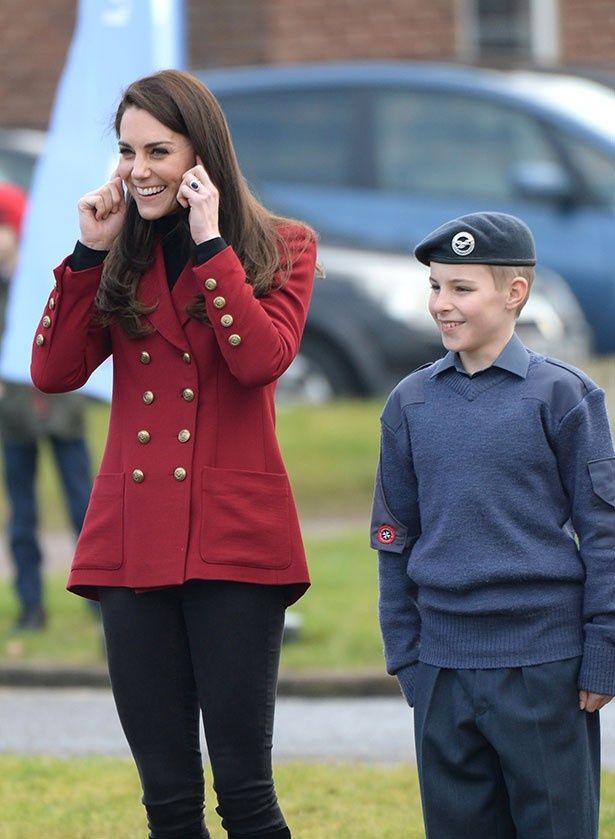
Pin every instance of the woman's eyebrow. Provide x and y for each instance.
(147, 145)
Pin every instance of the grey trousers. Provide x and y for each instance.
(506, 753)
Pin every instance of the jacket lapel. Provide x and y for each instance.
(183, 293)
(154, 290)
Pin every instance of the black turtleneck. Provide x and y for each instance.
(176, 248)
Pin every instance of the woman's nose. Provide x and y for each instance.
(140, 168)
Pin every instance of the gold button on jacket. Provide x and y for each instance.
(138, 476)
(144, 436)
(40, 340)
(219, 302)
(148, 397)
(46, 321)
(145, 357)
(210, 284)
(234, 340)
(52, 303)
(188, 394)
(187, 357)
(226, 320)
(183, 436)
(180, 474)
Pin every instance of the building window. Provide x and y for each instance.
(503, 26)
(505, 32)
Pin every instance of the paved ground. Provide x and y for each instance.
(72, 722)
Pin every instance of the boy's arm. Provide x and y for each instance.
(587, 464)
(394, 529)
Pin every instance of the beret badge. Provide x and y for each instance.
(463, 243)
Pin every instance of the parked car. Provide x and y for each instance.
(376, 155)
(368, 324)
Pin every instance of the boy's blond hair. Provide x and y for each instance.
(504, 274)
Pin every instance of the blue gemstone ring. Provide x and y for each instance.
(195, 185)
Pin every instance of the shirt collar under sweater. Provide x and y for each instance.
(514, 358)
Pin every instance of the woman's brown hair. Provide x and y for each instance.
(182, 103)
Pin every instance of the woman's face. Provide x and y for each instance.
(153, 161)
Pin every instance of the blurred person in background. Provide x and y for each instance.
(27, 418)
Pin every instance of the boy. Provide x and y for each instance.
(494, 519)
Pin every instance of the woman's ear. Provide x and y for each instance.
(517, 292)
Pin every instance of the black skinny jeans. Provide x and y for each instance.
(208, 646)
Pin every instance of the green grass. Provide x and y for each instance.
(339, 612)
(331, 454)
(339, 615)
(98, 798)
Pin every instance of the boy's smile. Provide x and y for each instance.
(476, 318)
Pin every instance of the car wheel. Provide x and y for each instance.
(318, 374)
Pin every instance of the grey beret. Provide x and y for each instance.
(489, 238)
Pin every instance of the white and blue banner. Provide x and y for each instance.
(115, 42)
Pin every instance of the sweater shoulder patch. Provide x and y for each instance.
(411, 389)
(559, 385)
(408, 392)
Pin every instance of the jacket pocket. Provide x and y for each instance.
(245, 518)
(602, 474)
(101, 542)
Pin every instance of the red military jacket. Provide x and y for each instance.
(192, 484)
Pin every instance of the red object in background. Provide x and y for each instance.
(12, 206)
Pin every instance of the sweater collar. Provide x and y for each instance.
(514, 358)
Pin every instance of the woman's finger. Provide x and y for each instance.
(117, 195)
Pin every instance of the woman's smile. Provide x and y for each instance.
(153, 160)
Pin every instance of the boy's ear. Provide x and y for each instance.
(517, 292)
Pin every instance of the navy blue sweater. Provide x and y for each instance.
(494, 518)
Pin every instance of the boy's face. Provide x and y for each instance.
(475, 318)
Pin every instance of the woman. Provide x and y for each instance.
(191, 541)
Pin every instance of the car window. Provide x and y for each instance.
(442, 144)
(596, 169)
(299, 136)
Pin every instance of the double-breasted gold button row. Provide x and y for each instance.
(144, 436)
(187, 394)
(220, 302)
(179, 473)
(145, 357)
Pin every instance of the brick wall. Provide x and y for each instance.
(280, 31)
(226, 32)
(588, 32)
(34, 37)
